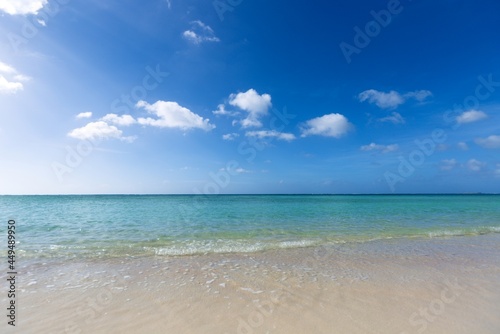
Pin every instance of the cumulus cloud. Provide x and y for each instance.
(471, 116)
(200, 33)
(463, 146)
(489, 142)
(21, 77)
(448, 164)
(419, 95)
(475, 165)
(86, 114)
(254, 104)
(5, 68)
(123, 120)
(331, 125)
(221, 111)
(10, 79)
(394, 118)
(230, 136)
(22, 7)
(381, 148)
(9, 87)
(172, 115)
(392, 99)
(381, 99)
(271, 134)
(97, 131)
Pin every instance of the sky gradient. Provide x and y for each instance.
(207, 97)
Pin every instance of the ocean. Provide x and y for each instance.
(102, 226)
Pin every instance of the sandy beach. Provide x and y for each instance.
(391, 286)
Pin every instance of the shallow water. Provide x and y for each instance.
(256, 264)
(134, 225)
(449, 285)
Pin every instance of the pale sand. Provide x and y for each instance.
(400, 286)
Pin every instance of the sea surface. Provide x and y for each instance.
(101, 226)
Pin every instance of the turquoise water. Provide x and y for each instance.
(127, 225)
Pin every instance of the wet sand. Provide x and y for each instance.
(435, 285)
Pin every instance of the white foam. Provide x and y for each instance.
(297, 244)
(459, 232)
(225, 246)
(446, 233)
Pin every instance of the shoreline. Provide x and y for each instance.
(379, 287)
(249, 246)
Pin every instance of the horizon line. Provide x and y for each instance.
(251, 194)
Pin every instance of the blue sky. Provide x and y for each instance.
(234, 96)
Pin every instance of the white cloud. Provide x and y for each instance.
(419, 95)
(86, 114)
(200, 33)
(230, 136)
(4, 68)
(475, 165)
(383, 100)
(392, 99)
(123, 120)
(497, 171)
(22, 7)
(463, 146)
(192, 36)
(381, 148)
(172, 115)
(9, 87)
(394, 118)
(99, 130)
(256, 105)
(242, 170)
(221, 111)
(238, 170)
(489, 142)
(13, 85)
(21, 77)
(251, 122)
(271, 134)
(169, 4)
(471, 116)
(331, 125)
(448, 164)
